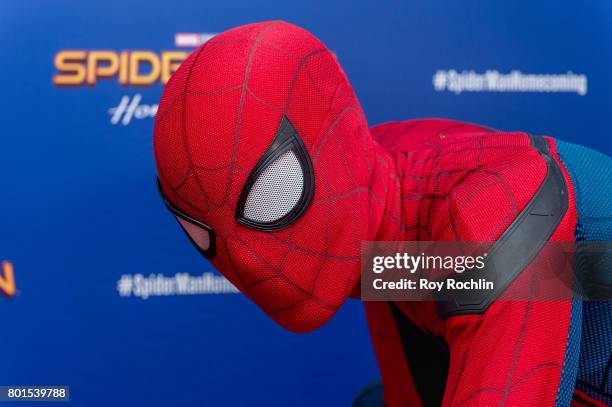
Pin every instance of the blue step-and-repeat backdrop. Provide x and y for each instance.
(103, 293)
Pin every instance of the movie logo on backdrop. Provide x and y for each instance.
(7, 279)
(137, 69)
(128, 68)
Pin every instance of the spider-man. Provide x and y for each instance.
(265, 157)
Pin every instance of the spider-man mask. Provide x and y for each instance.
(265, 158)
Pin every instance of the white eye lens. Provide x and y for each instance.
(276, 191)
(281, 186)
(198, 235)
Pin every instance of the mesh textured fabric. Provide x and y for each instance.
(596, 351)
(569, 373)
(591, 173)
(465, 182)
(220, 112)
(414, 180)
(276, 190)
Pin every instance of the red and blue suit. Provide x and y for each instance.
(265, 157)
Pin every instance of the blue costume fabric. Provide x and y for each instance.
(588, 362)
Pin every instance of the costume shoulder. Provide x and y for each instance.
(469, 183)
(473, 180)
(418, 133)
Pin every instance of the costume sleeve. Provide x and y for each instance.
(511, 352)
(512, 355)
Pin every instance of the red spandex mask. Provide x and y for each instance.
(265, 157)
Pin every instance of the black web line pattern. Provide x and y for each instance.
(396, 217)
(424, 233)
(233, 166)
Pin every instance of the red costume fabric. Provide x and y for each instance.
(465, 182)
(224, 110)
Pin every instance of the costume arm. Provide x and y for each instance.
(511, 352)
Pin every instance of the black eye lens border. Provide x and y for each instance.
(208, 253)
(286, 139)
